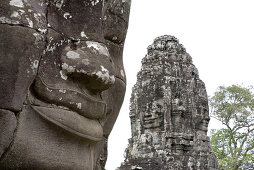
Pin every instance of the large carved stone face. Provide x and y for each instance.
(65, 66)
(202, 117)
(153, 117)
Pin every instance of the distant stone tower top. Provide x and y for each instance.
(169, 112)
(167, 43)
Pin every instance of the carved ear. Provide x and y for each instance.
(115, 20)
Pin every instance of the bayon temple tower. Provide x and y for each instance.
(169, 113)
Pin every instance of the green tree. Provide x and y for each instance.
(233, 106)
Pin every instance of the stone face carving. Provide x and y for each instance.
(62, 81)
(169, 113)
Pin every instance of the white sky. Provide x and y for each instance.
(218, 34)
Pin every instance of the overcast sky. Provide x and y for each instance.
(218, 34)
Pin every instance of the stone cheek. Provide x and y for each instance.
(169, 112)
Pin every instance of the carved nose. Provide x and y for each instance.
(89, 65)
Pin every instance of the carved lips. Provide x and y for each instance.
(72, 122)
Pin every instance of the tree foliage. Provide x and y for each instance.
(233, 106)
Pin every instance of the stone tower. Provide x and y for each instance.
(169, 113)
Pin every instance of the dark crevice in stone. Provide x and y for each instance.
(43, 50)
(20, 25)
(80, 40)
(50, 28)
(73, 39)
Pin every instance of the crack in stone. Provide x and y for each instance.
(21, 25)
(46, 42)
